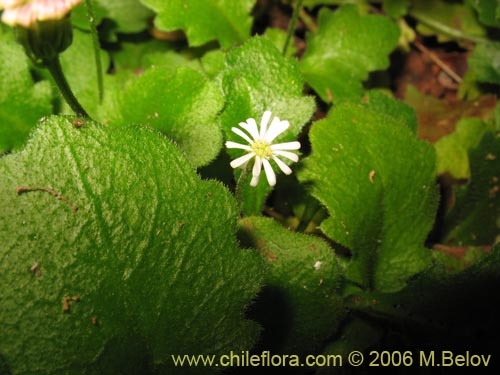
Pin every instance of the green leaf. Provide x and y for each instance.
(346, 48)
(300, 306)
(377, 181)
(257, 78)
(172, 60)
(488, 11)
(394, 110)
(227, 21)
(446, 20)
(451, 150)
(136, 56)
(130, 16)
(116, 255)
(22, 102)
(474, 216)
(140, 56)
(212, 62)
(485, 62)
(183, 105)
(127, 16)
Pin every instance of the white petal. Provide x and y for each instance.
(255, 181)
(284, 168)
(276, 128)
(287, 154)
(11, 3)
(257, 166)
(230, 144)
(241, 160)
(242, 135)
(263, 123)
(271, 177)
(286, 146)
(251, 127)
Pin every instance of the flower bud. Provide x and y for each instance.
(44, 40)
(43, 27)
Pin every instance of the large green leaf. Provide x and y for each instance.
(115, 255)
(300, 305)
(377, 182)
(227, 21)
(183, 105)
(346, 48)
(22, 102)
(257, 78)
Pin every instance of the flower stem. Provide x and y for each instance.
(95, 42)
(293, 23)
(54, 67)
(308, 21)
(445, 29)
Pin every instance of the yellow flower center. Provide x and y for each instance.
(262, 149)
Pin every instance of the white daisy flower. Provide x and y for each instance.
(260, 146)
(27, 12)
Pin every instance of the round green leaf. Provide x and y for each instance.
(183, 105)
(227, 21)
(345, 49)
(300, 306)
(378, 183)
(115, 255)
